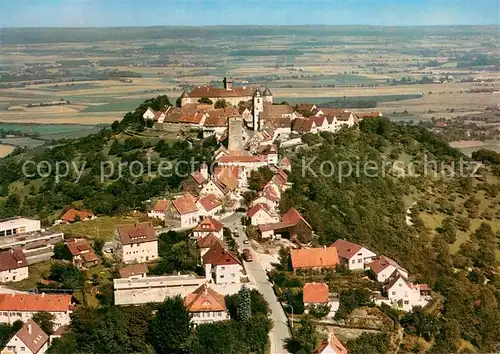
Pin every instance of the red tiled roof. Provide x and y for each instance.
(305, 107)
(191, 117)
(336, 112)
(345, 248)
(318, 120)
(208, 224)
(228, 175)
(272, 111)
(394, 278)
(209, 202)
(322, 257)
(216, 92)
(208, 241)
(198, 177)
(161, 205)
(32, 336)
(333, 343)
(35, 302)
(270, 193)
(302, 125)
(185, 204)
(293, 217)
(137, 233)
(217, 255)
(344, 116)
(81, 247)
(381, 263)
(12, 259)
(285, 161)
(316, 293)
(255, 209)
(204, 299)
(71, 214)
(422, 287)
(134, 269)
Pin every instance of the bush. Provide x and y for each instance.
(319, 310)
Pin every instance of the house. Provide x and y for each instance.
(149, 114)
(207, 242)
(314, 258)
(215, 187)
(383, 267)
(195, 181)
(208, 225)
(317, 294)
(186, 210)
(231, 177)
(82, 254)
(268, 196)
(134, 271)
(30, 339)
(18, 225)
(21, 306)
(73, 215)
(321, 123)
(304, 125)
(247, 162)
(13, 265)
(292, 225)
(353, 256)
(209, 205)
(136, 243)
(405, 295)
(331, 345)
(205, 305)
(221, 265)
(262, 214)
(159, 209)
(285, 164)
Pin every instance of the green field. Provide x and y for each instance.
(23, 142)
(45, 129)
(319, 100)
(120, 106)
(72, 86)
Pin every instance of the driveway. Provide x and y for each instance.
(258, 276)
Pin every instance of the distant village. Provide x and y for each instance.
(211, 202)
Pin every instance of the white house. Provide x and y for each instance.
(404, 294)
(18, 225)
(353, 256)
(209, 205)
(149, 114)
(13, 265)
(30, 339)
(317, 294)
(21, 306)
(383, 267)
(159, 209)
(208, 225)
(205, 305)
(136, 243)
(261, 214)
(186, 210)
(221, 266)
(213, 186)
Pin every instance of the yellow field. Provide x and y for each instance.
(5, 150)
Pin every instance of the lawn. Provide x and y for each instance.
(37, 272)
(102, 227)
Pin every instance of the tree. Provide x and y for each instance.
(244, 309)
(220, 103)
(369, 343)
(259, 178)
(417, 322)
(319, 310)
(303, 340)
(170, 328)
(350, 300)
(98, 245)
(64, 345)
(284, 258)
(45, 320)
(150, 123)
(7, 331)
(68, 275)
(205, 100)
(61, 251)
(115, 126)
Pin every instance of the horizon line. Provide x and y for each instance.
(229, 26)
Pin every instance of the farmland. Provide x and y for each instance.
(104, 74)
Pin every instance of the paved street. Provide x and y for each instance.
(258, 276)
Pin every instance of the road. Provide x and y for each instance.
(258, 276)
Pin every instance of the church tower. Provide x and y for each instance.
(258, 107)
(235, 134)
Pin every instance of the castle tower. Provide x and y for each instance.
(185, 98)
(258, 106)
(235, 133)
(228, 83)
(268, 96)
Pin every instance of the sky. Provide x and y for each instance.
(111, 13)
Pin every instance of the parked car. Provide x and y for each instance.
(247, 255)
(246, 242)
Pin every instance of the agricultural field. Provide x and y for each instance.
(5, 150)
(104, 74)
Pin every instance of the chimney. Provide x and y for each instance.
(29, 327)
(204, 170)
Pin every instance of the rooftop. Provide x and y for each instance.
(204, 299)
(12, 259)
(322, 257)
(134, 269)
(185, 204)
(35, 302)
(316, 293)
(32, 336)
(137, 233)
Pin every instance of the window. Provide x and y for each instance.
(233, 275)
(23, 349)
(353, 261)
(406, 302)
(222, 276)
(2, 233)
(5, 313)
(400, 285)
(222, 268)
(393, 293)
(360, 260)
